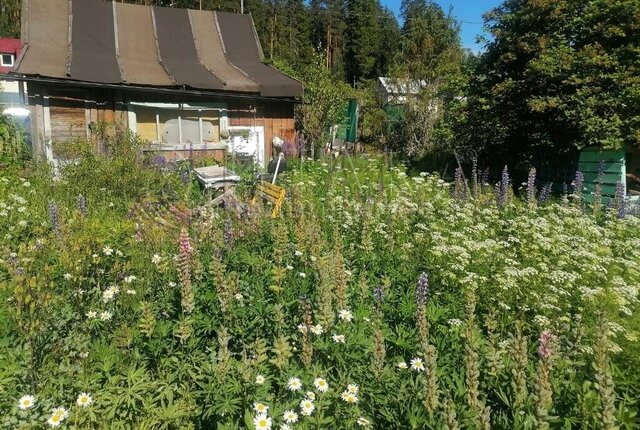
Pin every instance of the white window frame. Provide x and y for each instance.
(3, 64)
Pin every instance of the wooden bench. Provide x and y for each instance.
(272, 193)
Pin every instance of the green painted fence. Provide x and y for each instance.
(614, 172)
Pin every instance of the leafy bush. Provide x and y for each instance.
(390, 301)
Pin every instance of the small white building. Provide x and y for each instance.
(394, 91)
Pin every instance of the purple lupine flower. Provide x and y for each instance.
(474, 176)
(422, 290)
(184, 176)
(545, 193)
(485, 177)
(505, 183)
(460, 187)
(620, 203)
(228, 232)
(578, 183)
(601, 167)
(184, 244)
(531, 186)
(545, 347)
(378, 294)
(82, 205)
(54, 218)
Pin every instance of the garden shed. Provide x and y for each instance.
(184, 80)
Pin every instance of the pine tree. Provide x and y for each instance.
(362, 39)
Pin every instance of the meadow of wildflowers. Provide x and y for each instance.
(377, 300)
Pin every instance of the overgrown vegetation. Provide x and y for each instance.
(377, 300)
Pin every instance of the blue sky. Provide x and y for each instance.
(468, 11)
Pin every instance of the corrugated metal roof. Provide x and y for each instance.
(102, 42)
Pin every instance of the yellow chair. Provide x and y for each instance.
(272, 193)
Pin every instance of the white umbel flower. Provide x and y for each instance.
(26, 402)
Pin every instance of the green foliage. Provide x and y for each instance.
(323, 100)
(558, 75)
(13, 142)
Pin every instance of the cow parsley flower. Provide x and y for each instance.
(294, 384)
(26, 402)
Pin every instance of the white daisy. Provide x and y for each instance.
(130, 279)
(285, 427)
(402, 365)
(307, 407)
(310, 395)
(131, 292)
(321, 385)
(57, 416)
(345, 315)
(317, 329)
(91, 314)
(260, 379)
(290, 417)
(84, 400)
(363, 422)
(262, 422)
(302, 275)
(105, 316)
(299, 253)
(156, 259)
(417, 364)
(68, 276)
(302, 328)
(338, 338)
(260, 408)
(26, 402)
(353, 388)
(294, 384)
(107, 251)
(349, 397)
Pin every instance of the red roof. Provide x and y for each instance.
(9, 46)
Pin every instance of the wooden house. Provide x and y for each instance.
(186, 81)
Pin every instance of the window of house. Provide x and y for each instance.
(6, 60)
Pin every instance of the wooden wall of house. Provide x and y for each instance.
(72, 111)
(276, 117)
